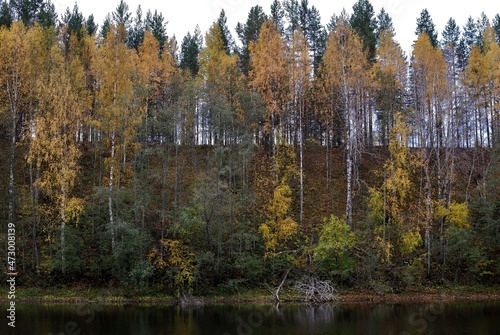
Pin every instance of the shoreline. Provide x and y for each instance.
(102, 296)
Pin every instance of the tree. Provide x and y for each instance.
(425, 25)
(268, 75)
(62, 101)
(451, 40)
(384, 22)
(117, 117)
(291, 10)
(430, 92)
(227, 39)
(190, 49)
(390, 79)
(277, 15)
(496, 26)
(26, 10)
(345, 75)
(280, 227)
(466, 42)
(14, 94)
(156, 23)
(248, 33)
(221, 81)
(392, 206)
(300, 69)
(316, 37)
(47, 17)
(6, 18)
(137, 30)
(90, 25)
(364, 23)
(481, 24)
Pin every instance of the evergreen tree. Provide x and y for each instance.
(496, 26)
(278, 15)
(466, 42)
(425, 25)
(90, 25)
(364, 23)
(190, 49)
(304, 15)
(384, 22)
(74, 21)
(292, 16)
(451, 33)
(156, 23)
(332, 24)
(227, 39)
(47, 16)
(105, 26)
(249, 32)
(5, 15)
(137, 30)
(26, 10)
(316, 37)
(481, 24)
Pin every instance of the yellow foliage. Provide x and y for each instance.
(409, 242)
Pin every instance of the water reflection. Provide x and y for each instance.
(480, 318)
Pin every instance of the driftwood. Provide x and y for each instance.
(280, 286)
(315, 290)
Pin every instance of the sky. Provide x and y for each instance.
(184, 15)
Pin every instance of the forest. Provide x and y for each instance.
(220, 164)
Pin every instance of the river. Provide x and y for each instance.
(478, 318)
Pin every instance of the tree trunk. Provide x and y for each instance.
(63, 232)
(280, 286)
(110, 195)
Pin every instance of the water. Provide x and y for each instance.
(478, 318)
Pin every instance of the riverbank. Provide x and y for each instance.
(116, 296)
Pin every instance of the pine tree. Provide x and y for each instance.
(425, 25)
(190, 49)
(156, 23)
(496, 26)
(277, 15)
(481, 24)
(227, 39)
(137, 30)
(364, 23)
(316, 37)
(6, 18)
(384, 22)
(90, 25)
(248, 33)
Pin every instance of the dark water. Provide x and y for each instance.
(478, 318)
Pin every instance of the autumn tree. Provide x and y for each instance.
(390, 80)
(117, 117)
(345, 75)
(268, 75)
(393, 206)
(63, 99)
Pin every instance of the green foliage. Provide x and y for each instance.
(333, 251)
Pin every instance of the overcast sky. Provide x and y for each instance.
(184, 15)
